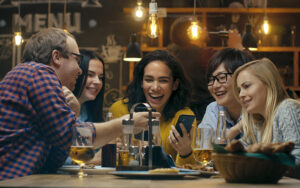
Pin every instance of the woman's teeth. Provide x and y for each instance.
(220, 93)
(156, 97)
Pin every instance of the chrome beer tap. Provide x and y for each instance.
(149, 109)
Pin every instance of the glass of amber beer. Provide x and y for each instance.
(202, 145)
(82, 149)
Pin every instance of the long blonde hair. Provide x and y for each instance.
(266, 72)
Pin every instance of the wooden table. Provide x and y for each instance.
(110, 181)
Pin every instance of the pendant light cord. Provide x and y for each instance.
(65, 15)
(49, 12)
(265, 7)
(195, 8)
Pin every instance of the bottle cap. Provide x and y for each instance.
(222, 113)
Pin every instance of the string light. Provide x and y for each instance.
(152, 25)
(194, 30)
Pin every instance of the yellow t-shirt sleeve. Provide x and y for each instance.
(119, 108)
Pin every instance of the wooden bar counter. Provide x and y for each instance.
(111, 181)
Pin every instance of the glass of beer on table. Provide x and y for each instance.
(202, 145)
(82, 149)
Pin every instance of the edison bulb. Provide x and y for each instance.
(152, 27)
(194, 30)
(266, 26)
(18, 38)
(139, 13)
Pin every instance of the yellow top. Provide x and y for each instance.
(119, 109)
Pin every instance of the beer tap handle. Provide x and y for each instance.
(150, 135)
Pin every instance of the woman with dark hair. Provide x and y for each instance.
(89, 88)
(159, 80)
(219, 82)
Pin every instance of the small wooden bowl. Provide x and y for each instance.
(243, 169)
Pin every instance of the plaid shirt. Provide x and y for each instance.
(35, 121)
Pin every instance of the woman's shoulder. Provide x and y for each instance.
(214, 107)
(289, 108)
(186, 111)
(288, 105)
(120, 102)
(119, 107)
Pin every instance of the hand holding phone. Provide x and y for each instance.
(187, 121)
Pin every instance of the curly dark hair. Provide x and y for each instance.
(95, 107)
(179, 98)
(232, 59)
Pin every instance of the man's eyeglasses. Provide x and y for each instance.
(79, 57)
(221, 78)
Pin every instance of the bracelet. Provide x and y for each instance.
(186, 156)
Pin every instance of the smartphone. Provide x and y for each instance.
(187, 121)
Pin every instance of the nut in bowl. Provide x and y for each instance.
(245, 167)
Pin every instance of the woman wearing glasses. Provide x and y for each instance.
(219, 76)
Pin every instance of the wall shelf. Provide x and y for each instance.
(226, 10)
(205, 11)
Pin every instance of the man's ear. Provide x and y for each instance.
(175, 85)
(55, 58)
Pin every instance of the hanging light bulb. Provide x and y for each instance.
(194, 30)
(266, 26)
(139, 11)
(65, 18)
(152, 25)
(18, 38)
(18, 35)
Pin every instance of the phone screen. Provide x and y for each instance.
(187, 121)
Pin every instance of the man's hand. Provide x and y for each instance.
(235, 39)
(71, 100)
(141, 120)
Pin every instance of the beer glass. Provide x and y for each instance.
(202, 145)
(82, 149)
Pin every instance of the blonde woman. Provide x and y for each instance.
(268, 115)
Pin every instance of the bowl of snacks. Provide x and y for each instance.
(260, 163)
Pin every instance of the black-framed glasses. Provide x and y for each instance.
(79, 57)
(221, 78)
